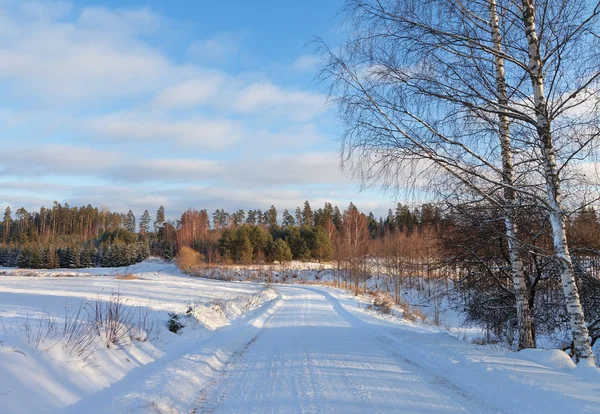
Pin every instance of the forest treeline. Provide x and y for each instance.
(72, 237)
(65, 236)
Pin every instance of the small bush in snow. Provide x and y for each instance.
(174, 324)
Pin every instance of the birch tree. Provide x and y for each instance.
(588, 21)
(525, 326)
(429, 87)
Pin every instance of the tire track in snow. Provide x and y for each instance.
(221, 387)
(424, 373)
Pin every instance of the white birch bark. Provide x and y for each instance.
(524, 323)
(583, 349)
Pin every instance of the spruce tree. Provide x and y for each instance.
(130, 222)
(24, 257)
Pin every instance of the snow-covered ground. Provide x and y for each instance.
(248, 349)
(40, 371)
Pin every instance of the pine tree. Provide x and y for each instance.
(307, 214)
(337, 218)
(280, 251)
(245, 249)
(145, 220)
(7, 222)
(160, 219)
(251, 219)
(238, 218)
(299, 219)
(271, 217)
(288, 219)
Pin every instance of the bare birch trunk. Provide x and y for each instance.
(524, 323)
(583, 348)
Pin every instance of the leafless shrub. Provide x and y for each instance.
(112, 319)
(143, 327)
(383, 303)
(78, 334)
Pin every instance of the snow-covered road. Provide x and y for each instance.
(313, 355)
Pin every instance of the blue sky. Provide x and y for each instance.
(182, 103)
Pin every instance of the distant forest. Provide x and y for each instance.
(76, 237)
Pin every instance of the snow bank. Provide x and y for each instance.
(554, 358)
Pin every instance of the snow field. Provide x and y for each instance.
(41, 369)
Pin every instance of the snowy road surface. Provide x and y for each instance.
(315, 350)
(315, 356)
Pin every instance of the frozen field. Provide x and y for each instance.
(251, 349)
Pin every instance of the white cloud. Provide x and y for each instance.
(189, 132)
(306, 63)
(190, 93)
(216, 49)
(297, 105)
(124, 21)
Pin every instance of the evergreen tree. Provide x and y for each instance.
(73, 257)
(271, 217)
(288, 219)
(280, 251)
(143, 251)
(260, 218)
(373, 226)
(238, 218)
(245, 251)
(251, 219)
(322, 248)
(145, 220)
(307, 214)
(107, 257)
(88, 256)
(7, 222)
(337, 218)
(168, 251)
(130, 222)
(24, 257)
(298, 213)
(160, 219)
